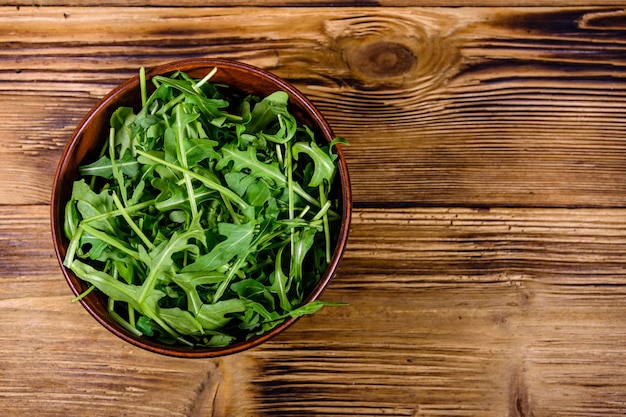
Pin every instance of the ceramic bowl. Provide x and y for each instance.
(89, 136)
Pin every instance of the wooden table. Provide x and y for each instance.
(486, 267)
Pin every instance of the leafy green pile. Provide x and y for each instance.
(208, 217)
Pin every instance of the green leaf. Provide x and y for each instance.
(210, 107)
(193, 251)
(337, 141)
(268, 316)
(150, 158)
(280, 282)
(220, 340)
(253, 290)
(267, 111)
(258, 193)
(174, 197)
(312, 307)
(109, 285)
(248, 160)
(239, 181)
(189, 281)
(170, 146)
(71, 219)
(180, 320)
(324, 166)
(159, 260)
(237, 243)
(302, 245)
(199, 149)
(119, 291)
(121, 121)
(214, 316)
(286, 131)
(89, 204)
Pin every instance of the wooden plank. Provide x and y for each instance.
(34, 133)
(56, 360)
(460, 350)
(550, 246)
(463, 312)
(495, 287)
(453, 106)
(451, 312)
(318, 3)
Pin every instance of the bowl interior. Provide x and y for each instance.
(86, 143)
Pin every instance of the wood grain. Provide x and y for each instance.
(485, 273)
(317, 3)
(451, 312)
(462, 107)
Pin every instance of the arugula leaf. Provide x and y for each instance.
(210, 107)
(257, 193)
(184, 219)
(267, 111)
(160, 259)
(107, 284)
(189, 281)
(251, 289)
(181, 321)
(280, 282)
(104, 168)
(248, 160)
(91, 206)
(121, 122)
(237, 243)
(72, 218)
(214, 316)
(324, 166)
(303, 244)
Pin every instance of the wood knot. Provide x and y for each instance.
(382, 59)
(391, 52)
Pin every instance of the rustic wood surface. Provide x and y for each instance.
(486, 267)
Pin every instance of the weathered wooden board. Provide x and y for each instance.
(308, 4)
(453, 106)
(485, 272)
(451, 312)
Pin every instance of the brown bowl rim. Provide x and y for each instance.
(57, 206)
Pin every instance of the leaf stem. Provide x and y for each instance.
(167, 106)
(114, 213)
(131, 309)
(205, 79)
(289, 168)
(73, 247)
(142, 85)
(322, 212)
(84, 293)
(117, 175)
(305, 210)
(325, 220)
(206, 181)
(125, 324)
(224, 284)
(131, 223)
(182, 156)
(109, 240)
